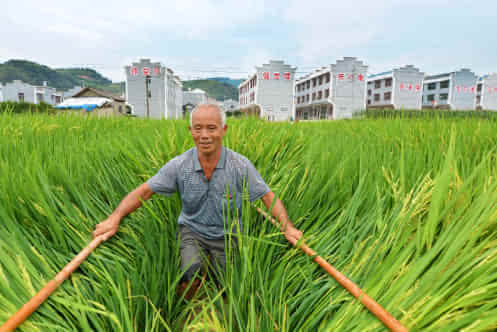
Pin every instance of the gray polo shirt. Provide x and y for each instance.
(205, 203)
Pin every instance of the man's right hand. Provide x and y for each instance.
(107, 228)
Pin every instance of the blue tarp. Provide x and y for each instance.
(87, 107)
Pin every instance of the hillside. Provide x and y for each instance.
(227, 80)
(220, 91)
(62, 79)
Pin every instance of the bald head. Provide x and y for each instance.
(212, 109)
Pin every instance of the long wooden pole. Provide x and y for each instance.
(376, 309)
(49, 288)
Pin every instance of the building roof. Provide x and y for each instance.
(87, 103)
(100, 93)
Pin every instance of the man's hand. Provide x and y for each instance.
(107, 228)
(292, 234)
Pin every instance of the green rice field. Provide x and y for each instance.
(404, 207)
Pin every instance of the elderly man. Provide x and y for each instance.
(207, 177)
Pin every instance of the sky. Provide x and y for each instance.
(208, 38)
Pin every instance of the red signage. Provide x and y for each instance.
(286, 76)
(402, 86)
(276, 76)
(156, 70)
(134, 71)
(341, 76)
(265, 75)
(418, 87)
(360, 77)
(146, 71)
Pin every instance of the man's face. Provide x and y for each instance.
(207, 131)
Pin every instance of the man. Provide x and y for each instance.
(209, 178)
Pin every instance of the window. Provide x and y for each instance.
(307, 98)
(314, 96)
(478, 87)
(377, 84)
(320, 94)
(430, 97)
(39, 97)
(387, 96)
(444, 96)
(388, 82)
(444, 84)
(369, 101)
(376, 97)
(327, 78)
(369, 92)
(478, 100)
(320, 80)
(308, 84)
(20, 96)
(432, 86)
(326, 93)
(314, 82)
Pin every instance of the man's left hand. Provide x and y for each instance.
(292, 234)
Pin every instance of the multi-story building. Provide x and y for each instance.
(269, 92)
(162, 100)
(35, 94)
(454, 91)
(486, 92)
(194, 97)
(400, 88)
(332, 92)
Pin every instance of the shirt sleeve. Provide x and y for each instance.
(165, 181)
(256, 185)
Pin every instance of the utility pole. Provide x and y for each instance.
(147, 94)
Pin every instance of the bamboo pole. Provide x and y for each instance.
(375, 308)
(33, 304)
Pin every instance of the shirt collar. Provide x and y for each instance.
(220, 163)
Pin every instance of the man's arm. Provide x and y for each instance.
(130, 203)
(292, 234)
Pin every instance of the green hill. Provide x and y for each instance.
(62, 79)
(215, 89)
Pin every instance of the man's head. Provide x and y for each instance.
(208, 127)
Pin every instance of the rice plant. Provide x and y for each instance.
(406, 208)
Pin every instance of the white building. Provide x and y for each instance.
(400, 88)
(454, 91)
(35, 94)
(332, 92)
(269, 93)
(230, 105)
(486, 93)
(162, 100)
(194, 97)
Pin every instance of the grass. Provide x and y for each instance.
(406, 208)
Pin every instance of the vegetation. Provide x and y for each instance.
(227, 80)
(406, 208)
(23, 107)
(219, 91)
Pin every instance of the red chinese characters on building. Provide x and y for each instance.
(418, 87)
(276, 76)
(134, 71)
(410, 87)
(473, 89)
(341, 76)
(286, 76)
(402, 86)
(458, 88)
(146, 71)
(495, 89)
(156, 70)
(360, 77)
(265, 75)
(350, 77)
